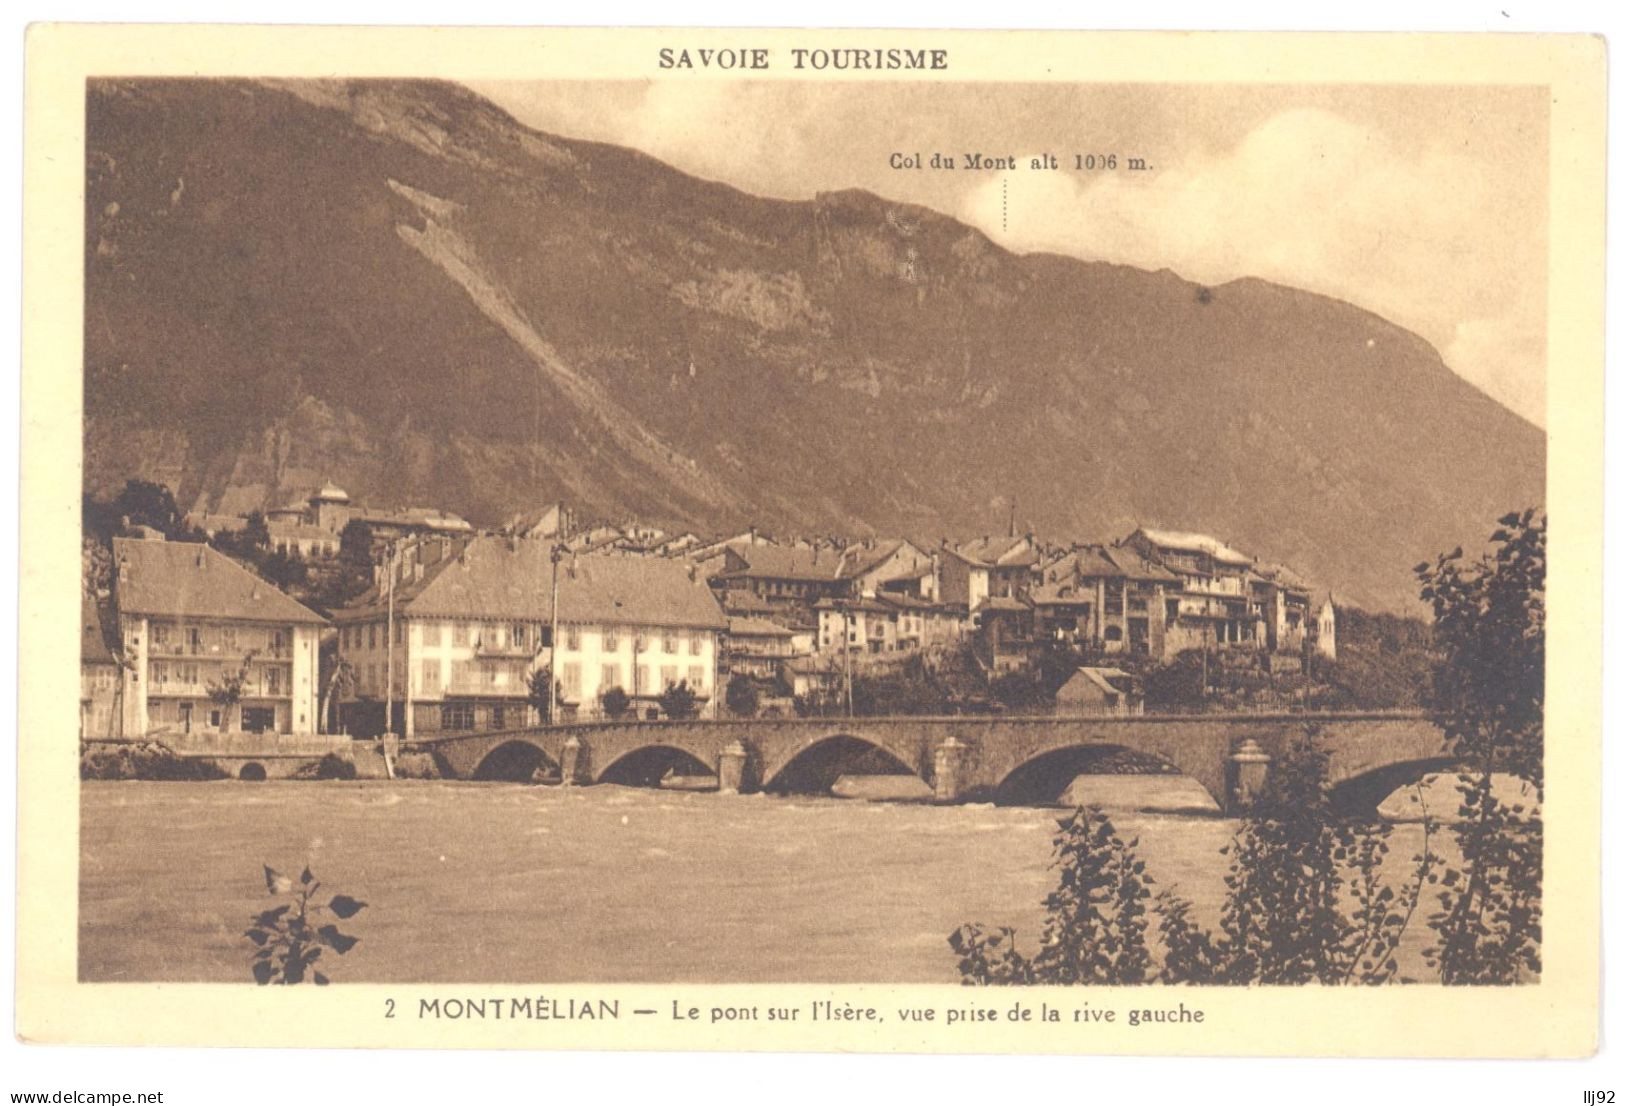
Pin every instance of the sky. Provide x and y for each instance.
(1425, 204)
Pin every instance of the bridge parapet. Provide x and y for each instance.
(970, 756)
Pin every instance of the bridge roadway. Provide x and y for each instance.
(1001, 758)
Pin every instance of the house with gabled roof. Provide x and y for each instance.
(1213, 604)
(98, 673)
(190, 618)
(454, 628)
(1002, 567)
(1110, 597)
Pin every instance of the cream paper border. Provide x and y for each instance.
(1558, 1017)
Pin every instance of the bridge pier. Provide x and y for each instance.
(569, 760)
(1250, 768)
(949, 770)
(731, 768)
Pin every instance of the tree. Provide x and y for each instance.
(285, 569)
(355, 546)
(541, 695)
(1488, 694)
(615, 701)
(147, 504)
(743, 697)
(1178, 684)
(679, 701)
(227, 692)
(339, 675)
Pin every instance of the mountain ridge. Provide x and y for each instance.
(285, 287)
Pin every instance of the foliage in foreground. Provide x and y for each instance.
(1304, 898)
(291, 937)
(1305, 903)
(1488, 692)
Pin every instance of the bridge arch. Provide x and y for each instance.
(252, 771)
(1360, 794)
(515, 761)
(647, 764)
(1042, 778)
(813, 766)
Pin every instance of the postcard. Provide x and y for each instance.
(812, 540)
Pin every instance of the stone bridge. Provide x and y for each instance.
(257, 756)
(998, 758)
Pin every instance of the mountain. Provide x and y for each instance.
(396, 286)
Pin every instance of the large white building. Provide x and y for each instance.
(191, 619)
(472, 620)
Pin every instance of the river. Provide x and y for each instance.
(482, 882)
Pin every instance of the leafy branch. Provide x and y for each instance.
(290, 938)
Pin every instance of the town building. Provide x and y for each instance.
(1212, 606)
(98, 674)
(1108, 597)
(987, 567)
(453, 629)
(758, 647)
(190, 620)
(1323, 623)
(783, 577)
(1092, 690)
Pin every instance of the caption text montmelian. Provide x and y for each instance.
(1005, 1010)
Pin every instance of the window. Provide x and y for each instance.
(279, 641)
(187, 673)
(160, 633)
(431, 675)
(194, 639)
(572, 679)
(517, 635)
(499, 717)
(159, 673)
(668, 676)
(400, 633)
(694, 644)
(612, 640)
(457, 716)
(228, 637)
(461, 674)
(572, 638)
(459, 633)
(696, 677)
(372, 635)
(259, 719)
(609, 677)
(273, 681)
(668, 643)
(431, 633)
(640, 644)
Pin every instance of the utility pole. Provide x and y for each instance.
(553, 651)
(390, 568)
(846, 652)
(389, 640)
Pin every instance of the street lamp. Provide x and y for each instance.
(553, 649)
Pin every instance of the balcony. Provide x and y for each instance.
(508, 651)
(215, 649)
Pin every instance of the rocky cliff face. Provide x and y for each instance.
(396, 286)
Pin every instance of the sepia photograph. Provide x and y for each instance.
(819, 515)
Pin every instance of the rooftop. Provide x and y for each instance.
(186, 580)
(93, 644)
(989, 552)
(1186, 541)
(511, 578)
